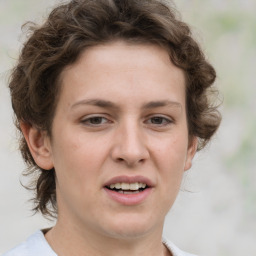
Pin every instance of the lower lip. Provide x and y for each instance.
(129, 199)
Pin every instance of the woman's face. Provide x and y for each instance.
(119, 141)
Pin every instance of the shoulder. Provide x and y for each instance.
(175, 250)
(34, 245)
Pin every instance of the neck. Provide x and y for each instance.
(71, 241)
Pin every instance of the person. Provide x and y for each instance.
(113, 99)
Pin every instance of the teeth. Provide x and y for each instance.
(130, 192)
(117, 186)
(128, 186)
(134, 186)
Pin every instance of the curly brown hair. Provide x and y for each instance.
(79, 24)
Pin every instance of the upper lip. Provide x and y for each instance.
(129, 179)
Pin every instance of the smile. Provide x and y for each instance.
(128, 190)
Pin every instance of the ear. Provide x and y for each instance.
(192, 148)
(39, 145)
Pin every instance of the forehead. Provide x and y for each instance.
(117, 52)
(121, 68)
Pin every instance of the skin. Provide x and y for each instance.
(121, 111)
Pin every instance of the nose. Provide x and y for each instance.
(130, 145)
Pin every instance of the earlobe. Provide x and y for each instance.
(191, 153)
(39, 145)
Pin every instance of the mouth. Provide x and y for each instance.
(129, 190)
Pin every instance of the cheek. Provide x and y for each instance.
(171, 158)
(78, 160)
(171, 153)
(75, 173)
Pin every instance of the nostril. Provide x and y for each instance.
(129, 162)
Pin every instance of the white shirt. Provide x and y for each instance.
(36, 245)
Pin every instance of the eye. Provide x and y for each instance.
(159, 121)
(95, 121)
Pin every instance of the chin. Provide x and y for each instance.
(130, 227)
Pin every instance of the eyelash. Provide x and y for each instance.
(167, 121)
(87, 121)
(164, 121)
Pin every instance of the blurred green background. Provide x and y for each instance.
(218, 216)
(227, 30)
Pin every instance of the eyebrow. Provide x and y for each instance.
(162, 103)
(110, 105)
(95, 102)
